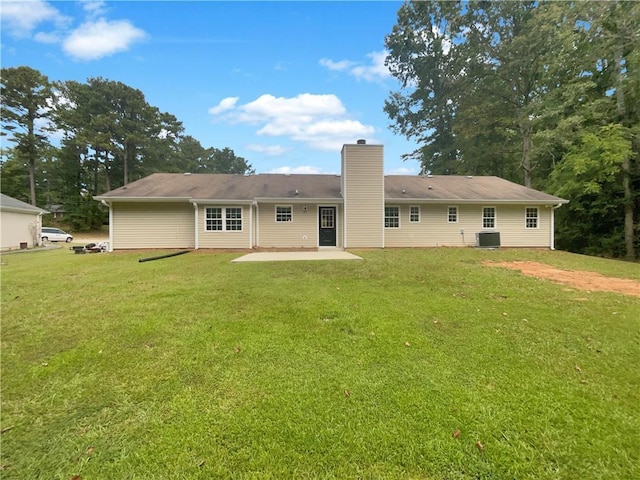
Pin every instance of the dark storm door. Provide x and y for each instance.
(327, 226)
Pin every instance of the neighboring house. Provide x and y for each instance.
(56, 210)
(20, 223)
(362, 208)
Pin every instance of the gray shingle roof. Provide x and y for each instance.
(437, 188)
(444, 188)
(228, 187)
(13, 204)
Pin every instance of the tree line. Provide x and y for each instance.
(546, 94)
(66, 141)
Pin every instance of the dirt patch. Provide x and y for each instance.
(576, 278)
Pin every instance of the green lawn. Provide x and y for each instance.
(194, 367)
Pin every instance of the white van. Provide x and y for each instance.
(51, 234)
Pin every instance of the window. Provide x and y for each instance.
(488, 217)
(392, 217)
(452, 215)
(234, 219)
(414, 214)
(531, 217)
(284, 213)
(214, 217)
(327, 218)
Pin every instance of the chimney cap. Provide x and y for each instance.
(361, 141)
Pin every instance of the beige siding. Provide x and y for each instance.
(363, 193)
(224, 239)
(434, 230)
(19, 228)
(153, 225)
(511, 225)
(300, 232)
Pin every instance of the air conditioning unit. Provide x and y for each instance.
(488, 239)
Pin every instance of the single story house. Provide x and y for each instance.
(361, 208)
(20, 223)
(56, 210)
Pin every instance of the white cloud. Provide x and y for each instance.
(93, 39)
(21, 18)
(374, 71)
(337, 66)
(226, 104)
(330, 135)
(319, 121)
(94, 8)
(303, 107)
(268, 150)
(335, 127)
(100, 38)
(305, 170)
(43, 37)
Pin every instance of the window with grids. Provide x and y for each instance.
(392, 217)
(219, 219)
(233, 219)
(327, 218)
(284, 213)
(452, 215)
(531, 217)
(213, 219)
(488, 217)
(414, 214)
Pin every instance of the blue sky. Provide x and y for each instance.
(283, 84)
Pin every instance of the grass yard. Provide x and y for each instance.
(422, 364)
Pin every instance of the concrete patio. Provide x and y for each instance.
(332, 254)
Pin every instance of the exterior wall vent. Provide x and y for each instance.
(362, 141)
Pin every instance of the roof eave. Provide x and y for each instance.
(297, 200)
(222, 201)
(33, 211)
(471, 201)
(108, 198)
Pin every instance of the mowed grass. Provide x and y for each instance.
(422, 364)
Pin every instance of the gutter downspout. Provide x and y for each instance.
(257, 234)
(196, 238)
(108, 204)
(39, 230)
(251, 224)
(552, 238)
(344, 218)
